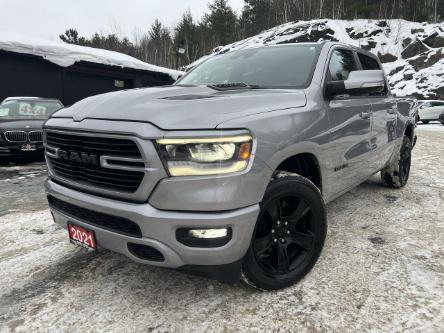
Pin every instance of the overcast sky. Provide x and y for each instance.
(50, 18)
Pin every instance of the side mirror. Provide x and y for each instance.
(358, 83)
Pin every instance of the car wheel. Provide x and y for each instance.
(289, 234)
(425, 122)
(397, 175)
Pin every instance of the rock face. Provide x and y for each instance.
(387, 57)
(412, 53)
(414, 49)
(435, 40)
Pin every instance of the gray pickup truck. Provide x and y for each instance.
(226, 173)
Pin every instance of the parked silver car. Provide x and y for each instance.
(430, 111)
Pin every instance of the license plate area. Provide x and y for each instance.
(28, 147)
(82, 237)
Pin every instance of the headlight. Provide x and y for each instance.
(206, 156)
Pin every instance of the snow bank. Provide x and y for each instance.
(65, 55)
(411, 51)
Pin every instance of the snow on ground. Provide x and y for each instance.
(382, 269)
(65, 55)
(412, 52)
(433, 126)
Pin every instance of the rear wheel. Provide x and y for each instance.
(397, 175)
(289, 234)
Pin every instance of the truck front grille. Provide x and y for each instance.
(93, 174)
(16, 136)
(112, 223)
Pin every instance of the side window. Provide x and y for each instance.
(368, 63)
(342, 62)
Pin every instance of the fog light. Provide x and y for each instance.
(208, 233)
(208, 237)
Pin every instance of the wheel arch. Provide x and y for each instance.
(305, 164)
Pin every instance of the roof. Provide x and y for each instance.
(65, 55)
(28, 98)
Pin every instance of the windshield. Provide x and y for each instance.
(26, 109)
(288, 66)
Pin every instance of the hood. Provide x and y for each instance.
(22, 124)
(179, 107)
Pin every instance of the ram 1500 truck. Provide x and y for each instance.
(227, 172)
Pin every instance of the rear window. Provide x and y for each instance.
(26, 109)
(368, 63)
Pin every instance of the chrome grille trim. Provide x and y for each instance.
(81, 158)
(122, 166)
(16, 136)
(35, 136)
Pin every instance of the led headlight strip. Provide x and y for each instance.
(206, 156)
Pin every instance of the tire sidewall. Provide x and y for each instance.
(405, 144)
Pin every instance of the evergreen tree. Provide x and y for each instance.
(222, 22)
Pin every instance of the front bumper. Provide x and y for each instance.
(159, 227)
(10, 150)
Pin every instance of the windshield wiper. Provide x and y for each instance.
(233, 86)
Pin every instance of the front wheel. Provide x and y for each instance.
(397, 175)
(289, 234)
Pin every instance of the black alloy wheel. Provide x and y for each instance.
(286, 234)
(405, 162)
(289, 234)
(397, 174)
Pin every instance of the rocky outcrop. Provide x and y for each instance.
(412, 53)
(387, 57)
(414, 49)
(435, 40)
(426, 60)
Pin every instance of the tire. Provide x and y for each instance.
(289, 234)
(397, 175)
(425, 122)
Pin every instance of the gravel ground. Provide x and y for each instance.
(382, 269)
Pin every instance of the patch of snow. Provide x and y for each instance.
(65, 55)
(434, 127)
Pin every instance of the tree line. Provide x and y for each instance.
(190, 39)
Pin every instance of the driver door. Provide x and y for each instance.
(350, 127)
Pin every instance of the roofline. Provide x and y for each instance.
(30, 98)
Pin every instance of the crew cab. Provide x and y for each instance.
(227, 172)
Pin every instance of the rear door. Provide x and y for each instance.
(350, 126)
(384, 115)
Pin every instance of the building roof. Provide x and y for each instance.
(65, 55)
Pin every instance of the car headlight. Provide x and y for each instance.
(206, 156)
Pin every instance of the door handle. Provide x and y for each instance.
(365, 115)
